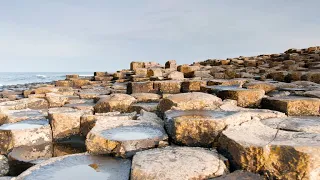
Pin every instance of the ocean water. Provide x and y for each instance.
(13, 78)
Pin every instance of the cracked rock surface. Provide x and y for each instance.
(275, 153)
(177, 163)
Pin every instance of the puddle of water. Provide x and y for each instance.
(131, 133)
(79, 172)
(83, 167)
(198, 113)
(19, 126)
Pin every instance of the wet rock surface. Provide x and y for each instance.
(23, 133)
(79, 167)
(156, 114)
(124, 137)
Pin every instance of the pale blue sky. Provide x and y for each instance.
(103, 35)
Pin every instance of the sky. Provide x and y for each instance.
(106, 35)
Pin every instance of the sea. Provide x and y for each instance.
(15, 78)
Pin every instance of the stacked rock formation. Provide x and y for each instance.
(238, 118)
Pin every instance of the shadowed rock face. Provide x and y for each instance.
(65, 122)
(24, 133)
(273, 152)
(177, 163)
(77, 167)
(125, 137)
(24, 157)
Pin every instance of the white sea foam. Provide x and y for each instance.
(41, 76)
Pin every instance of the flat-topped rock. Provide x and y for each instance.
(240, 175)
(114, 102)
(255, 147)
(12, 116)
(4, 166)
(80, 166)
(31, 103)
(293, 105)
(309, 124)
(140, 87)
(65, 122)
(89, 121)
(175, 75)
(227, 82)
(313, 94)
(267, 87)
(137, 107)
(146, 97)
(216, 89)
(192, 85)
(23, 133)
(244, 97)
(200, 128)
(87, 106)
(124, 137)
(173, 163)
(56, 100)
(167, 87)
(23, 157)
(190, 101)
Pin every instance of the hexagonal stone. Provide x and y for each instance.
(293, 105)
(176, 75)
(188, 70)
(267, 87)
(114, 102)
(140, 87)
(74, 145)
(12, 116)
(146, 97)
(244, 97)
(171, 64)
(31, 103)
(279, 154)
(227, 82)
(200, 128)
(190, 101)
(170, 87)
(24, 157)
(137, 107)
(135, 65)
(157, 72)
(89, 121)
(173, 163)
(309, 124)
(56, 100)
(65, 122)
(124, 137)
(192, 86)
(80, 166)
(4, 166)
(28, 132)
(239, 175)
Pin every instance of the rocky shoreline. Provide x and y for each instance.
(237, 118)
